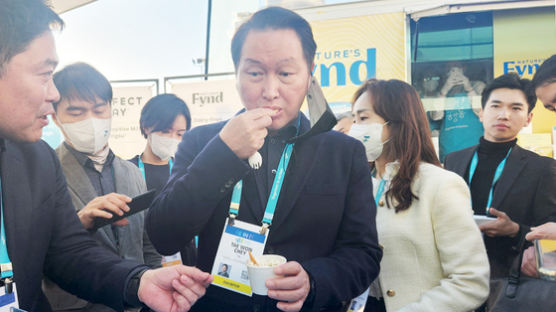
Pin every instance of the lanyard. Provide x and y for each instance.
(380, 190)
(274, 192)
(5, 263)
(497, 175)
(142, 166)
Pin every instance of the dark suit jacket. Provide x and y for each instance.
(526, 192)
(44, 235)
(325, 217)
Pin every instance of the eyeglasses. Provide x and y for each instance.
(434, 78)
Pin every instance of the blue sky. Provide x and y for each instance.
(135, 39)
(144, 39)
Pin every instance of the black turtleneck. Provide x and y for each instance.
(490, 155)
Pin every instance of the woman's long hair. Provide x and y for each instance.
(410, 141)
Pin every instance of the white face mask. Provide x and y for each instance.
(371, 136)
(163, 147)
(88, 136)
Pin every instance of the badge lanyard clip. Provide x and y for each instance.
(8, 282)
(264, 228)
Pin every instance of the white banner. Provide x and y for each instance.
(208, 101)
(126, 140)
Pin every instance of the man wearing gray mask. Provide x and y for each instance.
(100, 183)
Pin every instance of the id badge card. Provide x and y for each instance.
(358, 303)
(8, 301)
(230, 265)
(174, 259)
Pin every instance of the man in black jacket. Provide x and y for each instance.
(42, 232)
(507, 182)
(324, 220)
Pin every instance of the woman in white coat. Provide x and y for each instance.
(434, 257)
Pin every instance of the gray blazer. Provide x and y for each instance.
(134, 243)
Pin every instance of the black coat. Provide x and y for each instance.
(526, 192)
(325, 216)
(45, 236)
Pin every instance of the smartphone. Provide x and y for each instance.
(545, 252)
(137, 204)
(481, 219)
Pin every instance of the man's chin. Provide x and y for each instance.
(25, 137)
(20, 140)
(278, 124)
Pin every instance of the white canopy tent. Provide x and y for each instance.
(61, 6)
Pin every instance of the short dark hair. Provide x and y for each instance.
(275, 18)
(81, 81)
(546, 73)
(160, 112)
(21, 21)
(511, 81)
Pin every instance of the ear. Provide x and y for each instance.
(311, 71)
(529, 118)
(481, 115)
(148, 130)
(59, 124)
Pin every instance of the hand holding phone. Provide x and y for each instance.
(135, 205)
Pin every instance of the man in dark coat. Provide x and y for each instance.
(43, 235)
(324, 222)
(507, 182)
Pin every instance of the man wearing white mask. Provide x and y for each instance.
(99, 182)
(164, 120)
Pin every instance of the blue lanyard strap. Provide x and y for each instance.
(276, 186)
(5, 263)
(274, 193)
(497, 174)
(142, 166)
(379, 191)
(236, 198)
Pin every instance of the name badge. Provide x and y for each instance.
(8, 300)
(358, 303)
(174, 259)
(230, 265)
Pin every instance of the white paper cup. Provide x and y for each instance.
(264, 271)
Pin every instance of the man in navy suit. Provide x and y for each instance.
(43, 236)
(324, 222)
(507, 182)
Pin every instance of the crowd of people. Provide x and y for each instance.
(367, 216)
